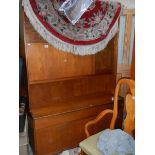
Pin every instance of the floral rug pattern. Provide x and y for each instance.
(89, 35)
(93, 26)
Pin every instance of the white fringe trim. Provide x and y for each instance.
(64, 46)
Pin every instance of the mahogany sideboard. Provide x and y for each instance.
(65, 91)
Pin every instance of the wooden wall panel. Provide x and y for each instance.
(104, 60)
(125, 45)
(127, 39)
(125, 48)
(121, 38)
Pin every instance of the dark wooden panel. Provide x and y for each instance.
(31, 133)
(44, 94)
(74, 104)
(104, 60)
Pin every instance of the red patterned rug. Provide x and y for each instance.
(90, 34)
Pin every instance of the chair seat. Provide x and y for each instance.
(89, 145)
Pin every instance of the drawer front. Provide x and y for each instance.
(57, 138)
(55, 134)
(66, 131)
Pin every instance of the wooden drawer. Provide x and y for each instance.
(60, 137)
(55, 134)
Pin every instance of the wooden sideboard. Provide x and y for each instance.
(65, 91)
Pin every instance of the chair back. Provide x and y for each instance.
(129, 121)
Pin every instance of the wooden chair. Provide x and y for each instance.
(88, 146)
